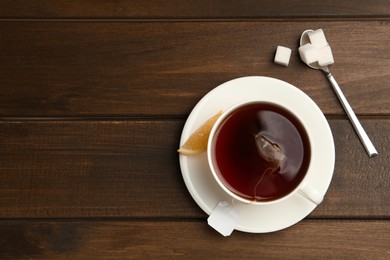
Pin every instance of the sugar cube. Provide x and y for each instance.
(326, 56)
(282, 55)
(309, 53)
(317, 38)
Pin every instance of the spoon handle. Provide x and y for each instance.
(352, 117)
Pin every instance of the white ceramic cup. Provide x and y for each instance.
(218, 217)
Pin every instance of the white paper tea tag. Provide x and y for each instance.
(224, 218)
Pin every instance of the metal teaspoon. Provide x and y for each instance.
(371, 151)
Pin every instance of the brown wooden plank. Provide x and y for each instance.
(359, 184)
(131, 169)
(125, 68)
(311, 239)
(191, 9)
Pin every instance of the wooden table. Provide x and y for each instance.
(94, 96)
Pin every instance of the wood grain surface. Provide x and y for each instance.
(94, 96)
(331, 239)
(177, 9)
(123, 68)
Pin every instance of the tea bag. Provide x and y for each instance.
(269, 151)
(224, 218)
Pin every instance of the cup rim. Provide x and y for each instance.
(215, 127)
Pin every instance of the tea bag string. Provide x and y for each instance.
(265, 174)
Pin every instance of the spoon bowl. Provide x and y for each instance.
(302, 41)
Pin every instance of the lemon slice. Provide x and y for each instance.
(197, 142)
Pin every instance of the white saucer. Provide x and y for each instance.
(259, 218)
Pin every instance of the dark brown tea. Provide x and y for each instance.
(262, 152)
